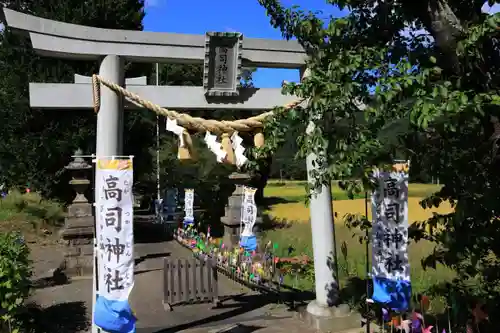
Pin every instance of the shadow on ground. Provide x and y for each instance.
(61, 318)
(57, 278)
(268, 202)
(237, 306)
(239, 328)
(272, 223)
(151, 256)
(145, 231)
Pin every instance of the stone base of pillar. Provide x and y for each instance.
(231, 237)
(78, 259)
(78, 236)
(330, 319)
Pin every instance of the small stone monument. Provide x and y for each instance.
(232, 218)
(78, 232)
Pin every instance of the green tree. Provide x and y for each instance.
(430, 68)
(14, 280)
(37, 144)
(204, 173)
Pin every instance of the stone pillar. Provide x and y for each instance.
(109, 138)
(325, 313)
(78, 232)
(232, 219)
(320, 206)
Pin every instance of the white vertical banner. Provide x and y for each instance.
(248, 218)
(248, 211)
(390, 264)
(115, 235)
(188, 206)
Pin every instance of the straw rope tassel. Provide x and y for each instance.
(228, 148)
(193, 123)
(258, 139)
(186, 151)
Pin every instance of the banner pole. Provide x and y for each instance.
(95, 272)
(367, 235)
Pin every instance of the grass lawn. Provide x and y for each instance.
(30, 214)
(297, 234)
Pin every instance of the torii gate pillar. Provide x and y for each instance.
(109, 136)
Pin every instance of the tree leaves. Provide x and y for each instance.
(15, 273)
(36, 145)
(371, 72)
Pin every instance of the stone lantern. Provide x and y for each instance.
(78, 232)
(79, 169)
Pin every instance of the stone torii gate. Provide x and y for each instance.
(113, 47)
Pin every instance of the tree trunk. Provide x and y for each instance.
(261, 178)
(446, 29)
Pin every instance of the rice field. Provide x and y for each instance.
(290, 206)
(293, 208)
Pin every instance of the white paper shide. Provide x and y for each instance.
(390, 223)
(115, 237)
(172, 126)
(239, 150)
(248, 211)
(215, 146)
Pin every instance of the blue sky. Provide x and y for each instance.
(245, 16)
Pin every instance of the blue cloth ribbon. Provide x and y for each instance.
(394, 294)
(249, 243)
(188, 221)
(114, 316)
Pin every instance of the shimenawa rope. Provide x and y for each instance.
(183, 119)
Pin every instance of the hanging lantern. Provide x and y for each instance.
(186, 151)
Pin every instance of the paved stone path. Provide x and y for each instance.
(67, 308)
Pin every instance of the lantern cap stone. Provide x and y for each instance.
(78, 162)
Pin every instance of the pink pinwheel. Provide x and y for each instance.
(416, 322)
(406, 326)
(427, 329)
